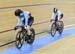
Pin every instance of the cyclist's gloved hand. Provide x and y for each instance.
(15, 28)
(51, 20)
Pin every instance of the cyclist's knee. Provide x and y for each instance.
(28, 30)
(31, 19)
(28, 27)
(62, 16)
(30, 23)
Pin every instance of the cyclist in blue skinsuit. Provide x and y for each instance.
(24, 19)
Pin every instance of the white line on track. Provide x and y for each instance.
(71, 25)
(67, 27)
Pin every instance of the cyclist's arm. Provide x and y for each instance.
(52, 17)
(19, 22)
(26, 16)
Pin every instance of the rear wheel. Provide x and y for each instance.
(61, 27)
(31, 38)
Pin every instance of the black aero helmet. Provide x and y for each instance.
(55, 10)
(18, 12)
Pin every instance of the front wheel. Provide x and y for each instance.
(19, 40)
(53, 29)
(31, 38)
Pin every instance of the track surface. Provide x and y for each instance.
(39, 43)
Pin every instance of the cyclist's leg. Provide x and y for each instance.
(60, 19)
(62, 16)
(56, 19)
(30, 22)
(57, 23)
(23, 22)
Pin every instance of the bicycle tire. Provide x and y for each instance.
(53, 30)
(61, 27)
(31, 38)
(19, 39)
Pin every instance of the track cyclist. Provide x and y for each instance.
(57, 15)
(25, 19)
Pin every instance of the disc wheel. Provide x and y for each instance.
(31, 38)
(61, 27)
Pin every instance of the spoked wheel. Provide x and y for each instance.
(19, 40)
(53, 29)
(31, 38)
(61, 27)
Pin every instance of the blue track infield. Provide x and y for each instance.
(38, 43)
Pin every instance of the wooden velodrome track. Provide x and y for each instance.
(41, 13)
